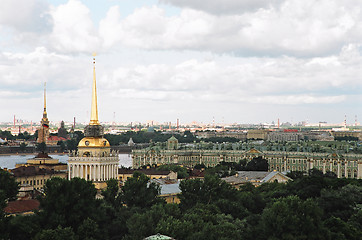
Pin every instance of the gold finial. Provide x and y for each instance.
(94, 109)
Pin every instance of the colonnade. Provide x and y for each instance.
(93, 171)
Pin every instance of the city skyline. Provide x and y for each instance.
(232, 61)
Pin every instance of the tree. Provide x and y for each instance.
(56, 234)
(210, 190)
(8, 186)
(62, 145)
(23, 227)
(41, 147)
(89, 230)
(138, 192)
(293, 218)
(111, 192)
(22, 147)
(71, 144)
(257, 164)
(68, 202)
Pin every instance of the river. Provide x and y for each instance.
(9, 161)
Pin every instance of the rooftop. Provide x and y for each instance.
(21, 206)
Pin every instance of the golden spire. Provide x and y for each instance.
(45, 101)
(94, 110)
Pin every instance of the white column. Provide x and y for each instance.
(115, 175)
(98, 173)
(338, 169)
(330, 165)
(75, 170)
(105, 172)
(110, 171)
(112, 166)
(359, 169)
(81, 171)
(69, 170)
(324, 166)
(345, 169)
(102, 177)
(94, 172)
(90, 172)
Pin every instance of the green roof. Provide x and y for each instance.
(158, 237)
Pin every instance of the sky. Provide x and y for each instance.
(250, 61)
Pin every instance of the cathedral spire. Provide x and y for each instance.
(94, 110)
(45, 102)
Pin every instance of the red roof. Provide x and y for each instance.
(31, 171)
(290, 130)
(56, 138)
(22, 206)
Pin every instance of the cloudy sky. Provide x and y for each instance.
(246, 61)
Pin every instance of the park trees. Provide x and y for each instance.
(68, 203)
(8, 191)
(293, 218)
(138, 192)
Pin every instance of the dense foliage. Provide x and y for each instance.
(313, 206)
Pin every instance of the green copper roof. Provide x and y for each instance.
(158, 237)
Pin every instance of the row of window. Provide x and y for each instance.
(34, 182)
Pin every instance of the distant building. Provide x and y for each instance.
(43, 160)
(124, 174)
(35, 176)
(213, 134)
(62, 132)
(346, 134)
(172, 143)
(284, 136)
(53, 140)
(169, 190)
(260, 134)
(346, 165)
(256, 178)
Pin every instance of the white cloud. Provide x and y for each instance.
(297, 28)
(73, 29)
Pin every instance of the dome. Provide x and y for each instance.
(94, 142)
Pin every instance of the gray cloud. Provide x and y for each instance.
(225, 6)
(26, 15)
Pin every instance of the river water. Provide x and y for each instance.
(9, 161)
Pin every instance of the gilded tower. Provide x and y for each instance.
(94, 159)
(43, 131)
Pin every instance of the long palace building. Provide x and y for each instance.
(346, 165)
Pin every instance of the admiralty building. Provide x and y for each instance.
(346, 165)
